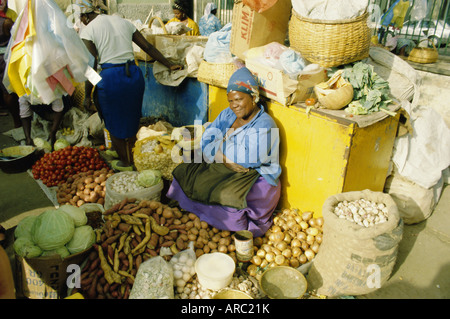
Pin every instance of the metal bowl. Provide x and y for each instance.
(283, 282)
(17, 159)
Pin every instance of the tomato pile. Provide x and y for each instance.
(56, 167)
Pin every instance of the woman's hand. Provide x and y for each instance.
(236, 167)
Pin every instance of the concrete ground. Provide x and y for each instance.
(422, 270)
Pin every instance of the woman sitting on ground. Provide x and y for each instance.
(236, 186)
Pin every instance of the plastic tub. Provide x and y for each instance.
(215, 271)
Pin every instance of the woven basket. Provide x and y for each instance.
(216, 74)
(423, 55)
(330, 43)
(140, 54)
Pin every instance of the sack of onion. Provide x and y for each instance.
(363, 251)
(293, 240)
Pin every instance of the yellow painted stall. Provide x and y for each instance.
(323, 154)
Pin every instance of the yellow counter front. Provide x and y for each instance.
(321, 154)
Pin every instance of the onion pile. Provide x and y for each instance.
(293, 240)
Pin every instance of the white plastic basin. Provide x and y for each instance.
(215, 270)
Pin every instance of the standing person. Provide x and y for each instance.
(11, 101)
(26, 114)
(120, 92)
(237, 185)
(180, 10)
(209, 23)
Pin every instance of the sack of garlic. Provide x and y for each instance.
(362, 230)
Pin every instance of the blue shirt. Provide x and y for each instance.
(254, 145)
(209, 24)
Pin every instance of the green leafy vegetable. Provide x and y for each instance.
(83, 238)
(77, 214)
(24, 247)
(43, 144)
(62, 251)
(52, 229)
(61, 143)
(148, 178)
(23, 229)
(370, 91)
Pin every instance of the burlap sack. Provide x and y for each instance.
(355, 260)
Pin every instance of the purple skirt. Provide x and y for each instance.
(262, 199)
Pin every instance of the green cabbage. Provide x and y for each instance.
(52, 229)
(148, 178)
(62, 251)
(77, 214)
(83, 238)
(61, 143)
(23, 229)
(41, 143)
(24, 247)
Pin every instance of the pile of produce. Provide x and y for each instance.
(132, 233)
(155, 152)
(84, 187)
(370, 91)
(56, 167)
(60, 231)
(294, 239)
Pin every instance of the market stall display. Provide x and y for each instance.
(56, 167)
(84, 187)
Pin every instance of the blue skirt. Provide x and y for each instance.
(120, 98)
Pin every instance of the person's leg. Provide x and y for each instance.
(12, 104)
(123, 148)
(26, 124)
(56, 123)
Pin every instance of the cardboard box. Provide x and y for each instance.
(278, 86)
(252, 29)
(46, 277)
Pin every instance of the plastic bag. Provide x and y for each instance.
(419, 10)
(55, 47)
(154, 280)
(113, 197)
(183, 264)
(217, 49)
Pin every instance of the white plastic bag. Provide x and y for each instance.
(419, 10)
(54, 47)
(154, 280)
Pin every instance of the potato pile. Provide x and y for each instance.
(85, 187)
(293, 240)
(132, 233)
(208, 239)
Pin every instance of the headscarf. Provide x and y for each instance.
(96, 6)
(243, 80)
(210, 6)
(181, 5)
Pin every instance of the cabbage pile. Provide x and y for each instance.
(61, 231)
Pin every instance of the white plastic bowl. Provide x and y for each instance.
(215, 271)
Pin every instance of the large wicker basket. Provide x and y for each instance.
(216, 74)
(423, 55)
(330, 43)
